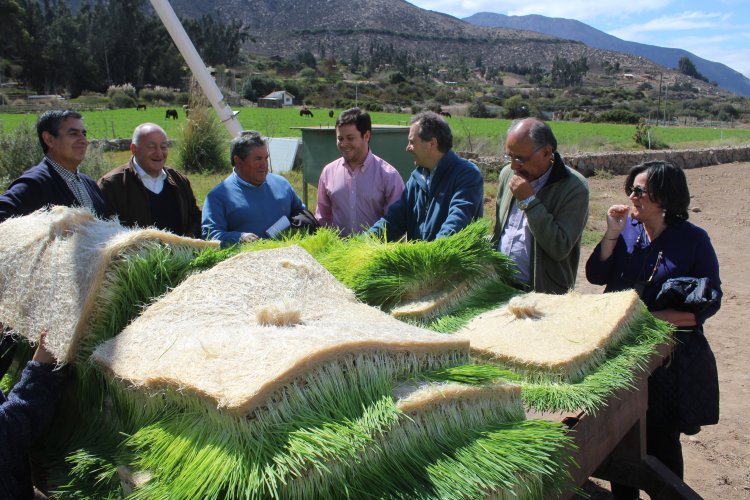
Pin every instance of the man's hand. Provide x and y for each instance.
(248, 237)
(42, 354)
(520, 187)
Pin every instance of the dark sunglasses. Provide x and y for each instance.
(638, 190)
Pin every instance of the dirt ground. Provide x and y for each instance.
(717, 460)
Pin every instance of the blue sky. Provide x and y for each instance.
(718, 30)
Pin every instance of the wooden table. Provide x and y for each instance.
(611, 445)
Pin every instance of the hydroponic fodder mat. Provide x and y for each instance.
(563, 337)
(280, 383)
(59, 270)
(283, 319)
(568, 352)
(260, 375)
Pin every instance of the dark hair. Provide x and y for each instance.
(244, 143)
(355, 116)
(666, 185)
(432, 125)
(50, 122)
(539, 132)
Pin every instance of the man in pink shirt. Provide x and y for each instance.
(356, 190)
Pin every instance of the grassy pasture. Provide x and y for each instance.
(484, 134)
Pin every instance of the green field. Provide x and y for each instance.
(478, 134)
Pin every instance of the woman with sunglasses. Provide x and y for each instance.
(645, 244)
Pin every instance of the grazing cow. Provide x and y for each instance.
(330, 113)
(140, 107)
(445, 114)
(171, 113)
(305, 112)
(186, 109)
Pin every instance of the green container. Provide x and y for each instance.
(319, 149)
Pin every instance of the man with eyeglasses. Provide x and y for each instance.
(542, 208)
(146, 192)
(56, 180)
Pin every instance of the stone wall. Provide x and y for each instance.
(618, 162)
(117, 144)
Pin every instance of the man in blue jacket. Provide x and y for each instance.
(444, 192)
(56, 180)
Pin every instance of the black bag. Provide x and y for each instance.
(305, 220)
(686, 294)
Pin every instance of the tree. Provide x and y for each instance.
(515, 107)
(686, 67)
(477, 109)
(567, 74)
(257, 86)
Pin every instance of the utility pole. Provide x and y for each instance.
(658, 103)
(194, 61)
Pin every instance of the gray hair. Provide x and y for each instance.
(244, 143)
(432, 125)
(145, 128)
(539, 132)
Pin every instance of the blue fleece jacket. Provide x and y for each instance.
(436, 203)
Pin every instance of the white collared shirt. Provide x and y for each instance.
(153, 184)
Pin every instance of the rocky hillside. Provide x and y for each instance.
(338, 27)
(724, 76)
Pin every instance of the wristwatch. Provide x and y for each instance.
(524, 204)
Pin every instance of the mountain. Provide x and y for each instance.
(339, 27)
(569, 29)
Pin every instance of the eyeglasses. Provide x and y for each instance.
(520, 159)
(637, 190)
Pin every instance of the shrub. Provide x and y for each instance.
(515, 107)
(202, 147)
(158, 93)
(120, 99)
(125, 88)
(372, 106)
(644, 137)
(477, 109)
(618, 116)
(19, 151)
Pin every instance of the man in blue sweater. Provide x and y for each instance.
(23, 415)
(444, 193)
(251, 203)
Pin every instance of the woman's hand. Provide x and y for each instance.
(616, 218)
(42, 354)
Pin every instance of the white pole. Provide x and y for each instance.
(195, 63)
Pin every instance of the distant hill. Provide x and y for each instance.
(724, 76)
(338, 28)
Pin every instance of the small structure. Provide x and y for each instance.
(276, 99)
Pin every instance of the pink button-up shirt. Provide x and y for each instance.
(353, 199)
